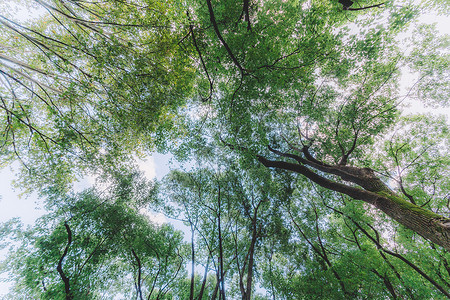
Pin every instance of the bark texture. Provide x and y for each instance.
(372, 190)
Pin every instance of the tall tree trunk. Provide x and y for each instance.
(202, 289)
(251, 252)
(216, 288)
(221, 272)
(271, 273)
(191, 293)
(139, 270)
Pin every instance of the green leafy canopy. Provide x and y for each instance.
(303, 177)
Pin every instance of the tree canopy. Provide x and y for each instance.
(303, 176)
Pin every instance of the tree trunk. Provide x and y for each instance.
(428, 224)
(191, 293)
(205, 277)
(221, 273)
(424, 222)
(63, 276)
(251, 260)
(139, 270)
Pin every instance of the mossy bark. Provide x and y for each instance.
(426, 223)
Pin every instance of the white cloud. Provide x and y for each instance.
(147, 165)
(157, 218)
(83, 183)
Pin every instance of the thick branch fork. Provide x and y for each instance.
(428, 224)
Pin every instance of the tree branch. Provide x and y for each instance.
(353, 192)
(219, 35)
(191, 30)
(247, 14)
(59, 267)
(363, 8)
(139, 266)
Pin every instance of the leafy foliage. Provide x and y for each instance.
(302, 178)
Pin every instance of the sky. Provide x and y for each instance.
(156, 166)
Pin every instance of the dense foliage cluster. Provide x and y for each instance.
(303, 177)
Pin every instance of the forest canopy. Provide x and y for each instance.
(303, 176)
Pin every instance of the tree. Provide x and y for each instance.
(330, 268)
(95, 246)
(277, 93)
(232, 213)
(329, 121)
(85, 82)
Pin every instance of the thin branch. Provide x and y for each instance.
(82, 21)
(191, 30)
(363, 8)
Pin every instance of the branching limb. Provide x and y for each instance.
(353, 192)
(402, 258)
(387, 283)
(219, 35)
(191, 30)
(63, 276)
(139, 270)
(402, 188)
(361, 176)
(345, 156)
